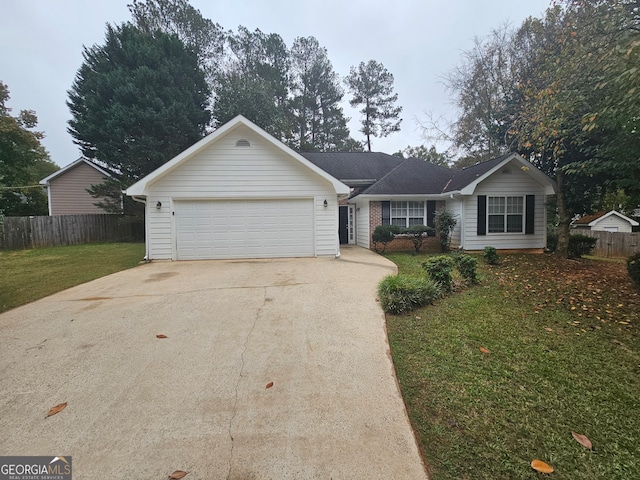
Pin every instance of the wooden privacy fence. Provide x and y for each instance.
(60, 230)
(615, 244)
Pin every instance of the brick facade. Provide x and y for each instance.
(430, 245)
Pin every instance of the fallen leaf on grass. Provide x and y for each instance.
(582, 440)
(541, 467)
(549, 329)
(269, 385)
(178, 474)
(484, 350)
(56, 409)
(162, 336)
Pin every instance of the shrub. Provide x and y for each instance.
(418, 233)
(490, 255)
(445, 222)
(467, 266)
(384, 234)
(440, 269)
(633, 267)
(580, 245)
(402, 293)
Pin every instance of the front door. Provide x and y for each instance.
(343, 225)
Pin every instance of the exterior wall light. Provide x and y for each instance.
(159, 205)
(325, 203)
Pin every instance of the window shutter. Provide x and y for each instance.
(386, 213)
(530, 214)
(482, 215)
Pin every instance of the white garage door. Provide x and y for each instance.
(244, 229)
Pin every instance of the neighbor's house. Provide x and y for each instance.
(240, 193)
(608, 222)
(67, 188)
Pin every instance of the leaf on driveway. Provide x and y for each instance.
(178, 474)
(269, 385)
(162, 336)
(484, 350)
(582, 440)
(541, 467)
(56, 409)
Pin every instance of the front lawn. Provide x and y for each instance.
(28, 275)
(561, 345)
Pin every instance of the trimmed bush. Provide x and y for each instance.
(633, 267)
(384, 234)
(418, 234)
(580, 245)
(445, 222)
(490, 255)
(402, 293)
(467, 266)
(440, 270)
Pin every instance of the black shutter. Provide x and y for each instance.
(530, 213)
(482, 214)
(386, 213)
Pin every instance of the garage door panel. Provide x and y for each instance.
(244, 229)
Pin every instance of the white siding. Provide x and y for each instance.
(363, 235)
(611, 222)
(514, 183)
(455, 206)
(224, 171)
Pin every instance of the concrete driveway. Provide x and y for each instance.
(140, 407)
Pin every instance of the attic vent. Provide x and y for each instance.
(243, 143)
(506, 171)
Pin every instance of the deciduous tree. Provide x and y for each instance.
(23, 162)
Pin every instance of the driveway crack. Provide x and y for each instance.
(244, 350)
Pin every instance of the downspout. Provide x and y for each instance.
(142, 200)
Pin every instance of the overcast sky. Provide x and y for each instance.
(417, 41)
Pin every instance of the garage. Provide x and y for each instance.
(239, 193)
(214, 229)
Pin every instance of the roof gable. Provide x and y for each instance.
(81, 161)
(140, 187)
(466, 180)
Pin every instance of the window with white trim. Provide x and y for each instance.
(406, 214)
(505, 214)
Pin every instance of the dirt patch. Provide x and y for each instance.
(591, 289)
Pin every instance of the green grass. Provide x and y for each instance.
(28, 275)
(564, 355)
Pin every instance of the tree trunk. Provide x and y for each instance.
(564, 217)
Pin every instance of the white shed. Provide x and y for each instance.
(608, 222)
(239, 193)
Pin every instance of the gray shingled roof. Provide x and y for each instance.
(392, 175)
(464, 177)
(413, 176)
(354, 165)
